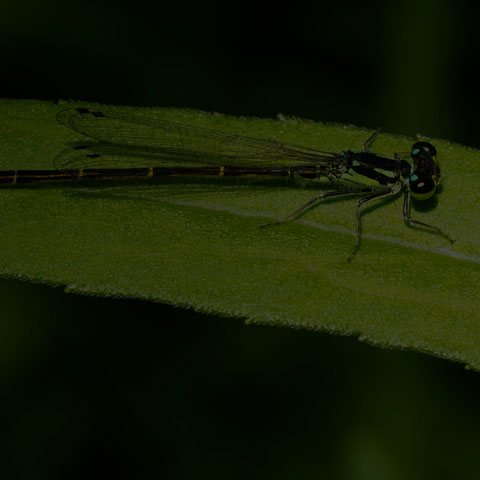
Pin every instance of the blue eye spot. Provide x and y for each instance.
(415, 151)
(413, 178)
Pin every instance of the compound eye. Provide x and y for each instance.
(423, 149)
(421, 188)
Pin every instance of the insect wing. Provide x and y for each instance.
(174, 142)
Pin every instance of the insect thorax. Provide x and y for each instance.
(369, 169)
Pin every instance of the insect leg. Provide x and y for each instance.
(382, 193)
(313, 200)
(370, 139)
(406, 216)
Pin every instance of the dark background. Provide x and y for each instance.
(106, 388)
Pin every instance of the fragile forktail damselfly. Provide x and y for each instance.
(129, 146)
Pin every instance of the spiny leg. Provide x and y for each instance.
(406, 216)
(370, 139)
(313, 200)
(382, 193)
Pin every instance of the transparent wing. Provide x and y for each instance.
(124, 137)
(98, 155)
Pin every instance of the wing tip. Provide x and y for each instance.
(65, 116)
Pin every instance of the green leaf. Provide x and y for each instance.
(196, 243)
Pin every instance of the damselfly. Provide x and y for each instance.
(129, 146)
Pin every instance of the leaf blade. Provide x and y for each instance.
(196, 242)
